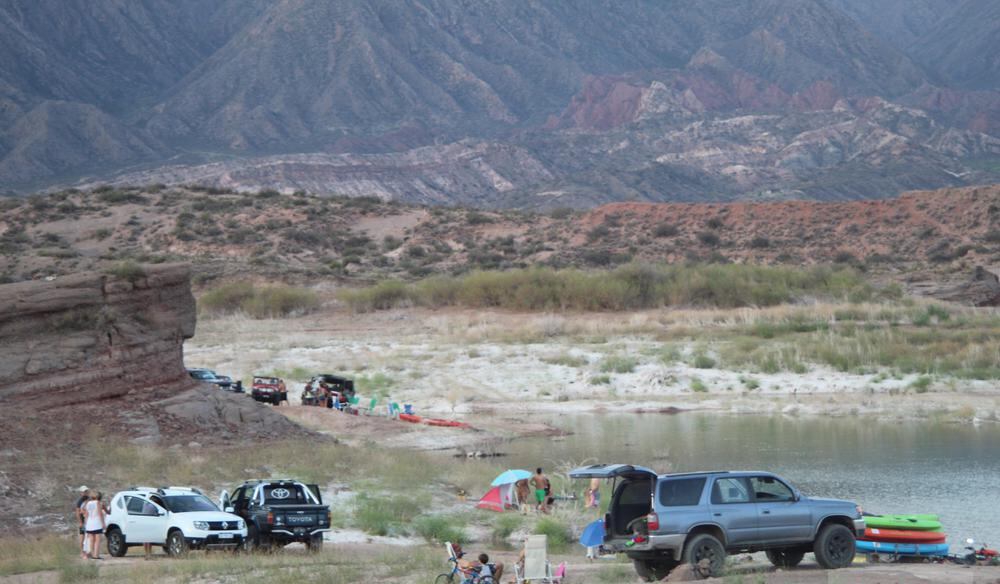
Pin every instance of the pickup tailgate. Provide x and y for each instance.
(300, 515)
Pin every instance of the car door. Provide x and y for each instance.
(238, 500)
(145, 524)
(780, 517)
(631, 499)
(732, 507)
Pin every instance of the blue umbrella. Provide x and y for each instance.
(593, 534)
(510, 476)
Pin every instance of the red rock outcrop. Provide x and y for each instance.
(93, 336)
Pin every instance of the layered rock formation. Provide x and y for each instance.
(94, 336)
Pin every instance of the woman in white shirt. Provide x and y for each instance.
(94, 524)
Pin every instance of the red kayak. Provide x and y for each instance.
(902, 536)
(445, 423)
(411, 418)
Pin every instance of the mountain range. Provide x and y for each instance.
(526, 103)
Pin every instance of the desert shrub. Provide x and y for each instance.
(666, 230)
(278, 301)
(384, 515)
(503, 526)
(127, 270)
(698, 386)
(561, 212)
(390, 243)
(703, 361)
(708, 238)
(273, 301)
(439, 528)
(714, 223)
(556, 532)
(599, 232)
(618, 364)
(476, 218)
(600, 380)
(628, 287)
(760, 242)
(564, 359)
(382, 296)
(921, 384)
(117, 197)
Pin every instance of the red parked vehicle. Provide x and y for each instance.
(269, 390)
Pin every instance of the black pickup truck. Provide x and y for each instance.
(279, 512)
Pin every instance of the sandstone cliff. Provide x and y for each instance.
(94, 336)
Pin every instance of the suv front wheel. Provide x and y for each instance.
(177, 546)
(652, 570)
(834, 547)
(785, 558)
(116, 543)
(705, 546)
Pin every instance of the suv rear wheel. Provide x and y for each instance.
(834, 547)
(705, 546)
(652, 570)
(785, 558)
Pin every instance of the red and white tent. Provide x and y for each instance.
(498, 498)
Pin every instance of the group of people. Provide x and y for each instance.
(538, 486)
(91, 515)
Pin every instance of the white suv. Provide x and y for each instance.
(177, 518)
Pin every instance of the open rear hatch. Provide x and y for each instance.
(631, 501)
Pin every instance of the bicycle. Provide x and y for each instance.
(468, 575)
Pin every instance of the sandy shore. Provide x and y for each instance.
(460, 364)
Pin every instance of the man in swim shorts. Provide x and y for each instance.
(541, 485)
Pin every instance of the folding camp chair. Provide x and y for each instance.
(536, 568)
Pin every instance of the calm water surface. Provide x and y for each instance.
(908, 467)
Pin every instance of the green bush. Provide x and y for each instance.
(921, 384)
(703, 361)
(127, 270)
(503, 526)
(384, 515)
(273, 301)
(556, 531)
(698, 386)
(628, 287)
(600, 380)
(618, 364)
(439, 528)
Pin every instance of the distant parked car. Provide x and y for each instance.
(177, 518)
(268, 390)
(324, 389)
(208, 376)
(660, 521)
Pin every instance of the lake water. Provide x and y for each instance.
(898, 467)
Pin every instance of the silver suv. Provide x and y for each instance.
(660, 521)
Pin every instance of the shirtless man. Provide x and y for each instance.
(523, 494)
(541, 484)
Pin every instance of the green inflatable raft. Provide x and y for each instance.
(925, 522)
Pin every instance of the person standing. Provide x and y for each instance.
(78, 513)
(541, 484)
(94, 524)
(594, 501)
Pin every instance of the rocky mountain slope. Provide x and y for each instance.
(354, 97)
(919, 238)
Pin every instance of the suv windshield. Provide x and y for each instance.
(202, 375)
(189, 503)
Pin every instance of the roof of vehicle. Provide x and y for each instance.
(262, 481)
(332, 376)
(736, 473)
(164, 491)
(192, 369)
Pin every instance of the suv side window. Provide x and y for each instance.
(139, 506)
(771, 489)
(730, 490)
(681, 492)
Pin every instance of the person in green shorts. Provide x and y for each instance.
(541, 484)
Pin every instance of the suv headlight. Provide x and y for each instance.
(240, 524)
(202, 525)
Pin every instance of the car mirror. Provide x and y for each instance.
(161, 513)
(229, 509)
